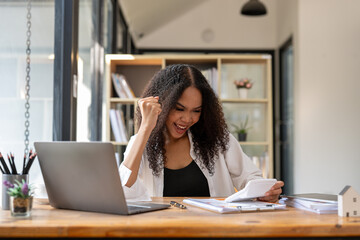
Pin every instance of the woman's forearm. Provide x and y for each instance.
(133, 159)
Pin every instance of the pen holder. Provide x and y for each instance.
(11, 178)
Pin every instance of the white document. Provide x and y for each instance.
(221, 206)
(253, 189)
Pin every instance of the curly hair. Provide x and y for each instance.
(209, 135)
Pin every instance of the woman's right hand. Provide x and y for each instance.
(150, 109)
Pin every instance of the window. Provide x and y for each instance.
(95, 35)
(13, 73)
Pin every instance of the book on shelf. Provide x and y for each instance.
(313, 202)
(115, 125)
(117, 86)
(121, 122)
(118, 125)
(212, 76)
(122, 88)
(241, 201)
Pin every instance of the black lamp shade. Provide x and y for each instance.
(253, 8)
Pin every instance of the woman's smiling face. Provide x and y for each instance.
(186, 113)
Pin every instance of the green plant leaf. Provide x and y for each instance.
(243, 126)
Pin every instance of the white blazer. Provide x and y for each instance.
(232, 169)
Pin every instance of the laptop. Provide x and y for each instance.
(84, 176)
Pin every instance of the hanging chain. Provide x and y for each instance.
(27, 79)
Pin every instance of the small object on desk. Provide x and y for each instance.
(348, 202)
(10, 178)
(178, 205)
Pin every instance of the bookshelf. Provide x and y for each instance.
(223, 69)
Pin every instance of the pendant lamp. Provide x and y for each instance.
(253, 8)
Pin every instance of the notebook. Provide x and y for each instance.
(84, 176)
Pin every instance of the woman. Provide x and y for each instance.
(183, 146)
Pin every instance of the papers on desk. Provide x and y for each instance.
(314, 202)
(241, 201)
(220, 206)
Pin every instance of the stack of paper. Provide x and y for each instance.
(313, 202)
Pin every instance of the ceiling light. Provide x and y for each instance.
(253, 8)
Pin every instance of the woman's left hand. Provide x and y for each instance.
(273, 194)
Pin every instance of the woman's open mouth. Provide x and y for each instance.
(180, 129)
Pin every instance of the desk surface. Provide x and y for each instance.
(174, 222)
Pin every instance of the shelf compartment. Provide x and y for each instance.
(256, 72)
(235, 113)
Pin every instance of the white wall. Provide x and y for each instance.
(327, 109)
(230, 29)
(286, 21)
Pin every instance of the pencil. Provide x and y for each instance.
(6, 169)
(11, 166)
(24, 163)
(13, 162)
(28, 158)
(29, 163)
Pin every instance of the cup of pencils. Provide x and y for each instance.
(10, 174)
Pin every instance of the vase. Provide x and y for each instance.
(11, 178)
(243, 93)
(21, 207)
(242, 137)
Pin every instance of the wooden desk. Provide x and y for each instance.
(173, 222)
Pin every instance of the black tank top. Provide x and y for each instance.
(185, 182)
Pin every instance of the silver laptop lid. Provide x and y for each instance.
(81, 176)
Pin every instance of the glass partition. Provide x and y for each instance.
(12, 78)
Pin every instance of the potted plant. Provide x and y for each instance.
(242, 130)
(21, 196)
(243, 85)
